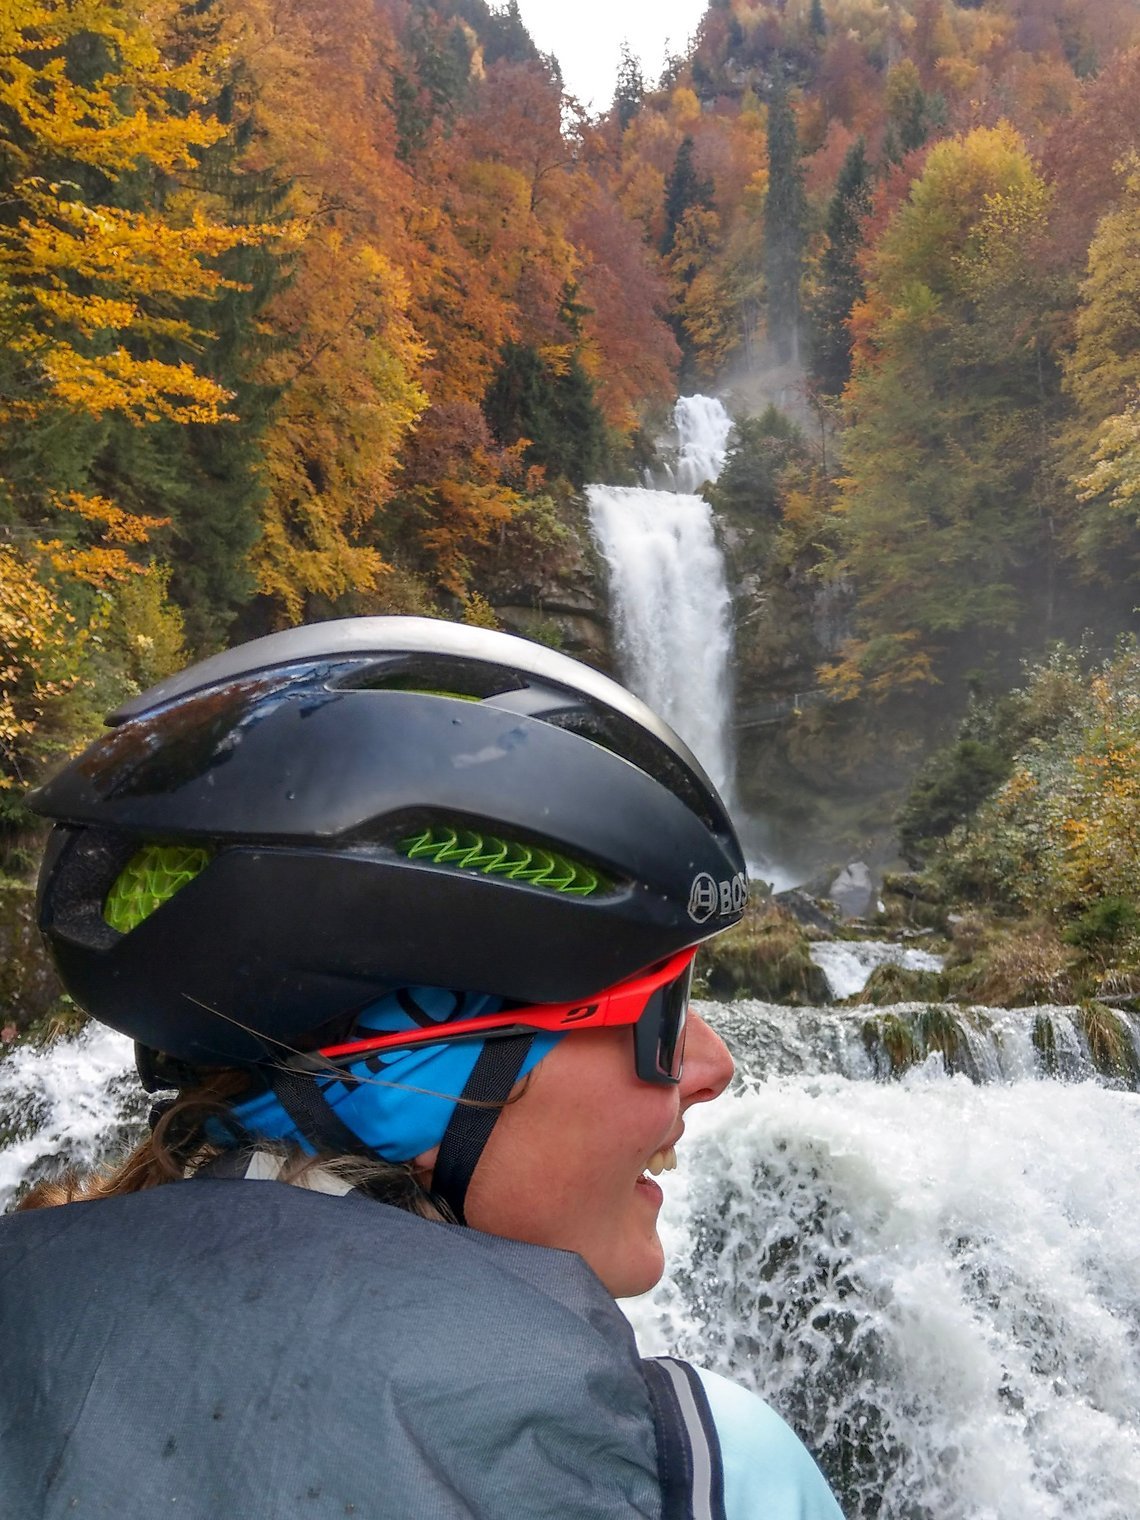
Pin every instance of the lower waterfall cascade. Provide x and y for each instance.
(935, 1279)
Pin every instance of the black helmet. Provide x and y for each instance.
(346, 808)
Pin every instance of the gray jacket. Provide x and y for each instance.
(213, 1351)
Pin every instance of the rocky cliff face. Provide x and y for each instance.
(817, 771)
(554, 591)
(29, 987)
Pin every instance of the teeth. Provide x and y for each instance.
(664, 1160)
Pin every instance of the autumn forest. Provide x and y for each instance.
(319, 307)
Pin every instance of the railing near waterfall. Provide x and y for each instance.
(763, 713)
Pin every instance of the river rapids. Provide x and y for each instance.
(934, 1276)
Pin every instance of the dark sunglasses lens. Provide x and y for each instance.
(659, 1034)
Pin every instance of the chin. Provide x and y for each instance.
(632, 1277)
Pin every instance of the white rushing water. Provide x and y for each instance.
(79, 1099)
(937, 1281)
(938, 1284)
(847, 964)
(703, 427)
(668, 593)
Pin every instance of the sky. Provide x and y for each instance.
(586, 36)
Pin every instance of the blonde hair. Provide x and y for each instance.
(178, 1147)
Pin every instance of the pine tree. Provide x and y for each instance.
(912, 114)
(554, 410)
(817, 21)
(841, 282)
(630, 90)
(785, 212)
(684, 189)
(507, 37)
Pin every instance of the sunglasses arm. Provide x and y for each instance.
(615, 1006)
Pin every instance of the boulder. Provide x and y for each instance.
(853, 890)
(805, 910)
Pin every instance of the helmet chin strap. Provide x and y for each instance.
(481, 1102)
(474, 1117)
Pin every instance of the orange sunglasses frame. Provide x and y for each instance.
(622, 1004)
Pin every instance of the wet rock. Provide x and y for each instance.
(853, 890)
(805, 910)
(28, 984)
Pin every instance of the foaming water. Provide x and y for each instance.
(76, 1102)
(703, 427)
(936, 1280)
(847, 964)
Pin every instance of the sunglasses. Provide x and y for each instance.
(655, 1003)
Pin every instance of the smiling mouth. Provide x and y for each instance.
(664, 1160)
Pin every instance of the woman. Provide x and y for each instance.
(400, 913)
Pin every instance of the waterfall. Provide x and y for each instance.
(935, 1279)
(703, 427)
(936, 1282)
(668, 593)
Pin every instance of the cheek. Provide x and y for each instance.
(561, 1166)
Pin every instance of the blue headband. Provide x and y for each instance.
(402, 1104)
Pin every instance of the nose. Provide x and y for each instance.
(708, 1066)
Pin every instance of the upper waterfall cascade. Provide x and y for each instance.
(703, 427)
(668, 591)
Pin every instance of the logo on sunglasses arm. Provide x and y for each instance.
(709, 896)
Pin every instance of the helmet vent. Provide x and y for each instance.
(151, 877)
(492, 855)
(434, 677)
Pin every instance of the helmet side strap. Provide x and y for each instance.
(474, 1117)
(303, 1101)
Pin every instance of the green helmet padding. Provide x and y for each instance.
(492, 856)
(150, 878)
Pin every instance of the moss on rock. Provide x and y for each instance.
(766, 956)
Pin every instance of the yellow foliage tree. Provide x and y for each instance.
(349, 396)
(85, 278)
(1103, 377)
(40, 659)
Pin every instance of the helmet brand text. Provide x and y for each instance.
(709, 896)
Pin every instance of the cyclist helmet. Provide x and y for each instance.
(278, 836)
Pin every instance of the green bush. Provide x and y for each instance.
(1103, 923)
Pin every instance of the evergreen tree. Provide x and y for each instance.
(214, 471)
(841, 283)
(433, 87)
(817, 20)
(785, 212)
(684, 189)
(507, 37)
(554, 410)
(760, 450)
(912, 114)
(630, 90)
